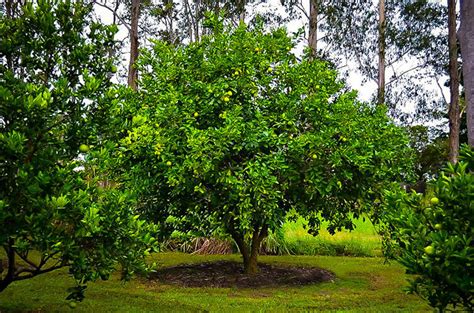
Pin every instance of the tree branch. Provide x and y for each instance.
(442, 93)
(34, 273)
(26, 260)
(300, 7)
(114, 12)
(403, 73)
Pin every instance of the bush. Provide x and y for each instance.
(54, 110)
(434, 238)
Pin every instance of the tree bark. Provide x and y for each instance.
(381, 46)
(313, 28)
(251, 266)
(250, 251)
(10, 276)
(196, 19)
(9, 8)
(466, 39)
(188, 18)
(132, 70)
(241, 10)
(454, 118)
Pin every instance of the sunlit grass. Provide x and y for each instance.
(362, 241)
(362, 285)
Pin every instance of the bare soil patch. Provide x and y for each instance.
(228, 274)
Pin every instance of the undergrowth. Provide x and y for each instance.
(291, 239)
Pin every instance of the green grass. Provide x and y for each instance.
(363, 241)
(362, 285)
(294, 239)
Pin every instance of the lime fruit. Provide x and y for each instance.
(84, 148)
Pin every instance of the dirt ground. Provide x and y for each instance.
(228, 274)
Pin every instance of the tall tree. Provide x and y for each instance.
(414, 42)
(132, 69)
(313, 28)
(381, 54)
(454, 118)
(466, 38)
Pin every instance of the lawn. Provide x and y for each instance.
(362, 285)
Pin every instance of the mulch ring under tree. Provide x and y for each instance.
(229, 274)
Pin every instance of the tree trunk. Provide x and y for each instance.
(251, 266)
(132, 70)
(313, 28)
(466, 38)
(454, 118)
(250, 251)
(241, 10)
(9, 8)
(10, 276)
(196, 19)
(188, 18)
(381, 44)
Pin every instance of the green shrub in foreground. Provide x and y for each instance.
(54, 75)
(434, 238)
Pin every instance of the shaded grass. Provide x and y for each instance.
(362, 285)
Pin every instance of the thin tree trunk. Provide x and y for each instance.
(187, 13)
(466, 39)
(171, 32)
(132, 70)
(381, 44)
(313, 28)
(454, 119)
(9, 8)
(241, 10)
(196, 19)
(239, 240)
(251, 266)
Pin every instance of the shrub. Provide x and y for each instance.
(434, 237)
(54, 75)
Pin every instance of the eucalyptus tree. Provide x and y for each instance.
(132, 70)
(466, 38)
(402, 33)
(454, 111)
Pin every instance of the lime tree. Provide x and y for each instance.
(434, 238)
(265, 142)
(54, 69)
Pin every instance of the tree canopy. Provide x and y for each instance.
(54, 69)
(233, 133)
